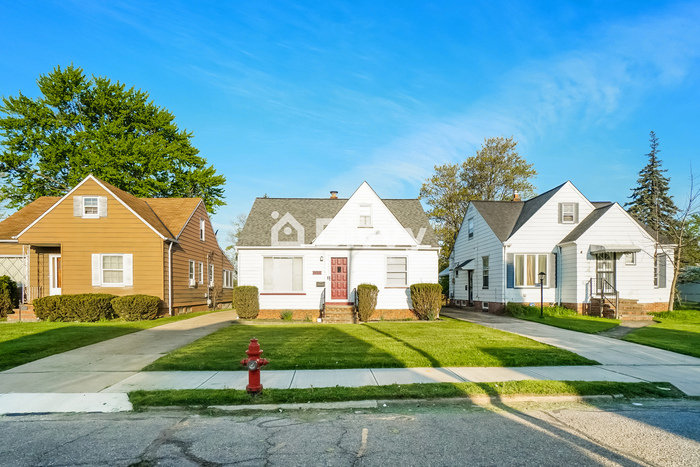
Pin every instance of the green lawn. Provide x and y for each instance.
(375, 345)
(562, 318)
(22, 343)
(209, 397)
(677, 331)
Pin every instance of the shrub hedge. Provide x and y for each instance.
(427, 300)
(136, 307)
(8, 296)
(245, 301)
(366, 301)
(517, 309)
(88, 307)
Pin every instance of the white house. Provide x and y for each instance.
(308, 255)
(592, 253)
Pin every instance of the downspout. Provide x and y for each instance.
(170, 279)
(559, 289)
(504, 265)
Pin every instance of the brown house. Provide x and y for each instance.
(100, 239)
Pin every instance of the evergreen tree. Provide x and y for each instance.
(651, 203)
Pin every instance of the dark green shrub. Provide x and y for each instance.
(136, 307)
(88, 307)
(366, 301)
(8, 296)
(245, 301)
(520, 310)
(427, 300)
(287, 315)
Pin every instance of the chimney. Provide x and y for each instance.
(334, 195)
(516, 196)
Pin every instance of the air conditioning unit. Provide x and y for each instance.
(484, 306)
(192, 282)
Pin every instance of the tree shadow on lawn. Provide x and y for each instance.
(674, 340)
(30, 347)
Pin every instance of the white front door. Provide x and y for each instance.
(55, 275)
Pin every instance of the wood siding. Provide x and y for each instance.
(190, 247)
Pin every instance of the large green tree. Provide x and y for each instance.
(650, 202)
(493, 173)
(79, 126)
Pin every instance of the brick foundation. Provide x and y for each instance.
(393, 315)
(297, 315)
(378, 315)
(658, 306)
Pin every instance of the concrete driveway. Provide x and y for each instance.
(627, 358)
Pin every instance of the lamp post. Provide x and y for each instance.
(542, 275)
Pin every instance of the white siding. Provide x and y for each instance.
(632, 281)
(364, 266)
(568, 275)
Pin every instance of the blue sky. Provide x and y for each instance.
(296, 99)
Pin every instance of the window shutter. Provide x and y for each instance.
(552, 271)
(96, 270)
(560, 211)
(662, 271)
(128, 270)
(78, 206)
(510, 271)
(575, 213)
(102, 206)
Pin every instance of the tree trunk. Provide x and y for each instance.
(676, 271)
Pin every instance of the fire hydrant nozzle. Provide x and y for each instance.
(254, 363)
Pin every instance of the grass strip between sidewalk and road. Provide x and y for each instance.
(210, 397)
(22, 343)
(677, 331)
(443, 343)
(561, 317)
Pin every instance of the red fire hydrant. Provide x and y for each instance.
(254, 362)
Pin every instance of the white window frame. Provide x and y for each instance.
(202, 229)
(94, 215)
(192, 273)
(536, 283)
(365, 218)
(274, 288)
(630, 258)
(201, 273)
(228, 279)
(98, 270)
(405, 272)
(565, 208)
(470, 227)
(211, 274)
(485, 272)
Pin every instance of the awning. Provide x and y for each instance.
(599, 249)
(461, 265)
(444, 273)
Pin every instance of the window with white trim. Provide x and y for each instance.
(365, 215)
(91, 207)
(567, 213)
(201, 273)
(112, 270)
(202, 226)
(485, 272)
(397, 271)
(192, 279)
(470, 228)
(283, 274)
(211, 274)
(631, 258)
(228, 279)
(527, 268)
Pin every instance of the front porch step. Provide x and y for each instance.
(628, 310)
(340, 314)
(26, 312)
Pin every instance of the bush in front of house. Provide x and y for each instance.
(287, 315)
(137, 307)
(8, 295)
(519, 310)
(245, 301)
(86, 307)
(427, 300)
(366, 301)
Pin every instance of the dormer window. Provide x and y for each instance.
(365, 215)
(202, 225)
(568, 213)
(90, 207)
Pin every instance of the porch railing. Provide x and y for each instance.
(323, 303)
(31, 293)
(606, 292)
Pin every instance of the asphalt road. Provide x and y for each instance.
(611, 433)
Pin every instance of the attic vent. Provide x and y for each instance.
(334, 195)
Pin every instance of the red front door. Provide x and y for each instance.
(339, 278)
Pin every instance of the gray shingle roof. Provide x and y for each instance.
(256, 232)
(586, 223)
